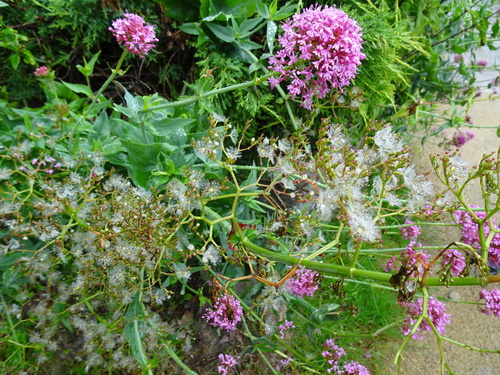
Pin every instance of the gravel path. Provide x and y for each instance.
(468, 325)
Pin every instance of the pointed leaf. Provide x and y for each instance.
(79, 89)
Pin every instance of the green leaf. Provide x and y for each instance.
(141, 159)
(79, 89)
(7, 261)
(458, 49)
(264, 344)
(88, 69)
(101, 124)
(247, 28)
(255, 66)
(169, 126)
(191, 28)
(2, 4)
(284, 12)
(224, 33)
(132, 333)
(135, 309)
(14, 60)
(271, 34)
(494, 30)
(262, 9)
(273, 7)
(12, 280)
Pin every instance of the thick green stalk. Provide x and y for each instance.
(335, 269)
(204, 95)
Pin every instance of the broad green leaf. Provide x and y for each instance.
(284, 12)
(126, 111)
(171, 125)
(15, 59)
(7, 261)
(141, 160)
(132, 333)
(248, 44)
(458, 49)
(135, 309)
(494, 30)
(255, 66)
(112, 147)
(190, 28)
(79, 89)
(262, 9)
(271, 34)
(224, 33)
(101, 124)
(64, 92)
(247, 28)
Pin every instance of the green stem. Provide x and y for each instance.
(397, 358)
(114, 73)
(334, 269)
(223, 90)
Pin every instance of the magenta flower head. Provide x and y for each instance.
(226, 314)
(42, 71)
(455, 261)
(321, 51)
(303, 283)
(492, 299)
(436, 311)
(462, 137)
(227, 362)
(411, 232)
(134, 33)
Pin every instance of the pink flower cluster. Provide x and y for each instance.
(227, 362)
(226, 314)
(284, 327)
(470, 233)
(492, 299)
(455, 260)
(436, 311)
(303, 283)
(462, 137)
(411, 232)
(321, 50)
(334, 353)
(415, 260)
(134, 33)
(283, 363)
(42, 71)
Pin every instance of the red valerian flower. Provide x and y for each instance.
(435, 311)
(492, 299)
(321, 50)
(42, 71)
(303, 283)
(134, 33)
(226, 314)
